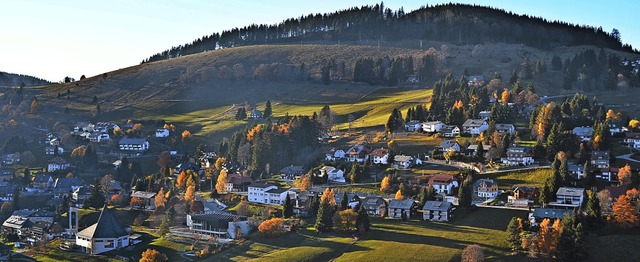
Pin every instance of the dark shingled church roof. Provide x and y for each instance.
(106, 227)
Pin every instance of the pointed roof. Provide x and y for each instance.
(106, 227)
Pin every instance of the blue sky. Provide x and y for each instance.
(54, 39)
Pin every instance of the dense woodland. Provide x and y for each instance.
(454, 23)
(9, 79)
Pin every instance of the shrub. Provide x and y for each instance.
(272, 228)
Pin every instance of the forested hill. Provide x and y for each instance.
(9, 79)
(454, 23)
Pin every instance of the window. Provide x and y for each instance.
(109, 244)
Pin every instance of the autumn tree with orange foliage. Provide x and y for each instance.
(328, 196)
(221, 183)
(633, 123)
(505, 96)
(624, 175)
(181, 180)
(189, 195)
(186, 135)
(399, 195)
(152, 255)
(613, 116)
(548, 236)
(303, 183)
(272, 228)
(253, 132)
(160, 199)
(385, 185)
(137, 127)
(137, 202)
(625, 214)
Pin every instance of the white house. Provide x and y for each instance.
(505, 128)
(432, 126)
(57, 163)
(162, 132)
(133, 144)
(474, 126)
(379, 156)
(402, 161)
(412, 126)
(335, 154)
(51, 150)
(268, 194)
(632, 140)
(105, 235)
(447, 145)
(97, 137)
(518, 155)
(486, 188)
(583, 132)
(443, 183)
(221, 225)
(333, 174)
(449, 131)
(484, 115)
(104, 127)
(398, 207)
(569, 196)
(357, 153)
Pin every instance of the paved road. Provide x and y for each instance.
(628, 158)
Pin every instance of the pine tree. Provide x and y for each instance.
(324, 220)
(514, 231)
(580, 242)
(363, 222)
(594, 215)
(267, 109)
(422, 196)
(288, 207)
(565, 246)
(344, 202)
(96, 198)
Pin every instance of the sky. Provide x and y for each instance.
(54, 39)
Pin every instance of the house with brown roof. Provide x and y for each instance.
(443, 183)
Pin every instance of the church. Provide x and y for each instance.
(105, 235)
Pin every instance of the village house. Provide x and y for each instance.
(357, 153)
(268, 194)
(484, 115)
(608, 174)
(449, 144)
(42, 181)
(162, 133)
(443, 183)
(375, 206)
(471, 149)
(402, 161)
(291, 172)
(353, 200)
(105, 127)
(255, 114)
(632, 140)
(21, 220)
(379, 156)
(42, 231)
(432, 126)
(80, 195)
(569, 197)
(6, 191)
(222, 225)
(437, 211)
(146, 200)
(576, 170)
(486, 188)
(10, 159)
(523, 195)
(398, 207)
(505, 128)
(600, 159)
(449, 131)
(616, 127)
(57, 163)
(539, 214)
(518, 156)
(65, 186)
(476, 80)
(133, 144)
(474, 126)
(105, 235)
(335, 154)
(583, 132)
(51, 150)
(412, 126)
(98, 137)
(238, 183)
(332, 174)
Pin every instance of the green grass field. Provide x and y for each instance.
(506, 179)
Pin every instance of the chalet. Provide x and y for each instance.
(583, 132)
(335, 154)
(238, 182)
(375, 206)
(432, 126)
(57, 163)
(133, 144)
(600, 159)
(43, 181)
(333, 174)
(402, 161)
(518, 155)
(486, 188)
(255, 114)
(449, 131)
(484, 115)
(443, 183)
(471, 149)
(449, 144)
(437, 211)
(474, 126)
(146, 200)
(98, 137)
(219, 225)
(42, 231)
(569, 197)
(523, 195)
(105, 235)
(268, 194)
(353, 200)
(505, 128)
(357, 153)
(291, 172)
(412, 126)
(162, 132)
(608, 174)
(398, 207)
(105, 127)
(616, 127)
(65, 186)
(539, 214)
(379, 156)
(51, 150)
(632, 140)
